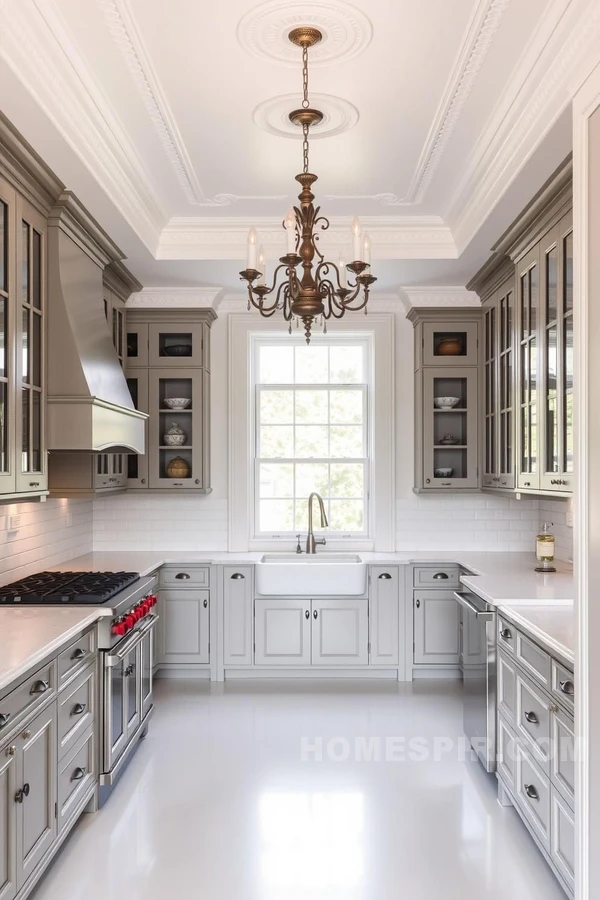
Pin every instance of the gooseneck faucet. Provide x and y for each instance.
(311, 541)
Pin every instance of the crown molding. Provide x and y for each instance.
(557, 60)
(478, 38)
(27, 171)
(394, 237)
(175, 298)
(71, 216)
(433, 297)
(41, 53)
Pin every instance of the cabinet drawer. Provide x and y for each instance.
(562, 848)
(185, 577)
(507, 687)
(562, 757)
(532, 790)
(76, 657)
(563, 685)
(532, 720)
(507, 635)
(533, 659)
(436, 576)
(76, 709)
(26, 698)
(76, 774)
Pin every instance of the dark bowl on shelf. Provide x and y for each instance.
(178, 350)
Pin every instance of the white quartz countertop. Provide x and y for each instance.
(551, 626)
(29, 635)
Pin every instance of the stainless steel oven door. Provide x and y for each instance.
(123, 691)
(479, 676)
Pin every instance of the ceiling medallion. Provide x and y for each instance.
(322, 291)
(272, 116)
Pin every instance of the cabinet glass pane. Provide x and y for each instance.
(25, 442)
(524, 330)
(3, 426)
(450, 428)
(3, 336)
(568, 395)
(568, 271)
(25, 250)
(551, 399)
(175, 344)
(533, 298)
(3, 246)
(36, 275)
(551, 285)
(36, 350)
(25, 345)
(450, 343)
(36, 432)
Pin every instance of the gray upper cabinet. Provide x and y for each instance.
(168, 373)
(23, 456)
(446, 399)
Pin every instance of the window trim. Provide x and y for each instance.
(380, 327)
(365, 387)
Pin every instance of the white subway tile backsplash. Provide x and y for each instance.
(49, 533)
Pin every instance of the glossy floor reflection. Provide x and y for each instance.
(219, 804)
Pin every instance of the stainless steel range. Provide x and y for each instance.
(125, 641)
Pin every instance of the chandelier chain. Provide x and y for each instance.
(305, 101)
(305, 148)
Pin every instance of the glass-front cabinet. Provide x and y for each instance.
(168, 372)
(446, 399)
(499, 386)
(23, 457)
(545, 363)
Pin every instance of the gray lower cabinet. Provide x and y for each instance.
(536, 745)
(185, 633)
(436, 628)
(237, 615)
(340, 632)
(36, 792)
(282, 632)
(384, 604)
(8, 830)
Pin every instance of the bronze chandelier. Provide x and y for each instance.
(322, 290)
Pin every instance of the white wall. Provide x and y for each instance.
(49, 533)
(474, 521)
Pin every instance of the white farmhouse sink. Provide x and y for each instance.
(293, 575)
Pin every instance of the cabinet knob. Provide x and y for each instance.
(26, 734)
(315, 614)
(197, 481)
(428, 481)
(143, 481)
(418, 604)
(205, 604)
(526, 484)
(531, 792)
(10, 751)
(237, 575)
(307, 614)
(386, 576)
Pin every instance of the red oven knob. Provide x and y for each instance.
(118, 628)
(153, 600)
(129, 622)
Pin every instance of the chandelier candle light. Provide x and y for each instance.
(323, 290)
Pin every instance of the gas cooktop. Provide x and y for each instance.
(55, 588)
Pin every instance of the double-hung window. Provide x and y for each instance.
(311, 433)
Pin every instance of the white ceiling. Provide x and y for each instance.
(145, 109)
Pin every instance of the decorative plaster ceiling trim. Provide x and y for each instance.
(425, 296)
(272, 116)
(556, 62)
(393, 237)
(482, 27)
(42, 55)
(263, 31)
(175, 298)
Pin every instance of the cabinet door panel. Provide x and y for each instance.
(36, 822)
(185, 626)
(562, 849)
(7, 358)
(237, 615)
(528, 296)
(170, 384)
(340, 632)
(137, 464)
(8, 845)
(136, 346)
(383, 616)
(450, 344)
(436, 628)
(282, 630)
(456, 464)
(177, 345)
(562, 762)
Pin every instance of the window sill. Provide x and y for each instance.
(287, 545)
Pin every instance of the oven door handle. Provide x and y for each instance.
(113, 659)
(484, 615)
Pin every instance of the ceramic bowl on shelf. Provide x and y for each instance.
(443, 473)
(175, 436)
(449, 439)
(178, 350)
(445, 402)
(177, 403)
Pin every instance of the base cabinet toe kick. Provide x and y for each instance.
(536, 746)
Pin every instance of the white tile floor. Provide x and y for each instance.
(218, 805)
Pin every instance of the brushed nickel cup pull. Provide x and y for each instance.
(39, 687)
(506, 633)
(532, 718)
(183, 576)
(567, 687)
(79, 653)
(79, 709)
(531, 792)
(440, 576)
(78, 774)
(386, 576)
(237, 575)
(4, 719)
(34, 484)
